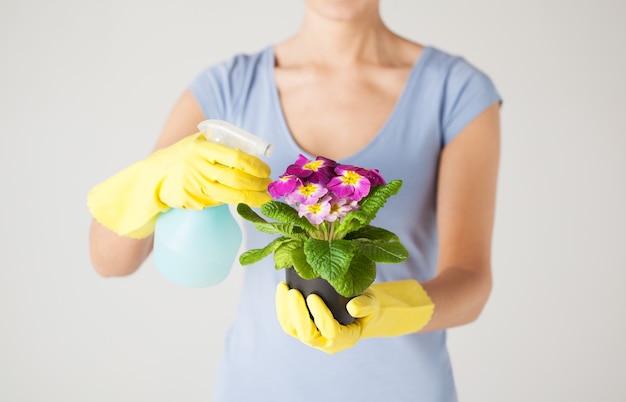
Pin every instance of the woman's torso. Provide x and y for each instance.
(260, 361)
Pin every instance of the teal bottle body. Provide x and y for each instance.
(196, 248)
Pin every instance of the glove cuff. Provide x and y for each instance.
(405, 308)
(126, 204)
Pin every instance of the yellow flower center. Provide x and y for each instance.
(313, 165)
(307, 189)
(315, 208)
(351, 178)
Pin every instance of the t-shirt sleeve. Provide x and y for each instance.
(468, 93)
(207, 92)
(215, 88)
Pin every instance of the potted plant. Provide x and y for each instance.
(324, 237)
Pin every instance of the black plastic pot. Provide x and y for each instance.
(336, 303)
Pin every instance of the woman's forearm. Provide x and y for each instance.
(459, 296)
(466, 196)
(113, 255)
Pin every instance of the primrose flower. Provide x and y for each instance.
(283, 186)
(373, 175)
(315, 213)
(324, 214)
(319, 170)
(324, 190)
(307, 193)
(349, 183)
(339, 208)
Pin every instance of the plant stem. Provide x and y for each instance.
(324, 227)
(320, 232)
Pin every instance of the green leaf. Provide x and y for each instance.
(279, 211)
(257, 254)
(282, 255)
(378, 196)
(248, 214)
(285, 213)
(369, 205)
(360, 276)
(253, 255)
(392, 252)
(286, 229)
(373, 233)
(352, 222)
(302, 267)
(330, 259)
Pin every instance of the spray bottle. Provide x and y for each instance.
(197, 248)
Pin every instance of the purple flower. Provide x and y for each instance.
(349, 183)
(373, 175)
(323, 190)
(318, 171)
(283, 186)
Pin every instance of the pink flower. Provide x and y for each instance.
(283, 186)
(315, 213)
(339, 208)
(349, 183)
(318, 171)
(307, 193)
(323, 190)
(373, 175)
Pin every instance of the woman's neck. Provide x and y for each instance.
(338, 44)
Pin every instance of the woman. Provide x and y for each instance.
(347, 88)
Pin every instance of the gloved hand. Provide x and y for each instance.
(193, 173)
(383, 310)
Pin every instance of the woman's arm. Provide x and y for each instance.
(113, 255)
(465, 208)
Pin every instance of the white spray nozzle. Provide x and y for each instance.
(235, 137)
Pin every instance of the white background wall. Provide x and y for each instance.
(86, 85)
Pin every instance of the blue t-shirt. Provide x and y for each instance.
(262, 363)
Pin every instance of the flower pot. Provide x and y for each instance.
(336, 303)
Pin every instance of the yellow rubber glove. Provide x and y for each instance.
(383, 310)
(193, 173)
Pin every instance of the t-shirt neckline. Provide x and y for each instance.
(270, 61)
